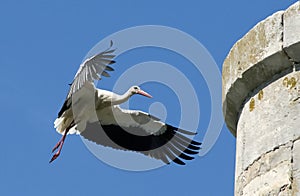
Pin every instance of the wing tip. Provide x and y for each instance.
(178, 161)
(112, 62)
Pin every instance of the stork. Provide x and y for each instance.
(96, 115)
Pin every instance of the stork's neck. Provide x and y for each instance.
(118, 99)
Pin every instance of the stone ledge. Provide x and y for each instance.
(258, 59)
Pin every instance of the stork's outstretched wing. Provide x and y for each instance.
(138, 131)
(92, 69)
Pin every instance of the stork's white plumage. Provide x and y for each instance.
(97, 116)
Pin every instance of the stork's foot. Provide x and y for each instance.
(58, 146)
(54, 156)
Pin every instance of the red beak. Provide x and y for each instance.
(141, 92)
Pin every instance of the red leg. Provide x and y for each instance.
(59, 146)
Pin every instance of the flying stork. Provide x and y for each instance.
(96, 115)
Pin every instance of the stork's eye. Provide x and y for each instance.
(135, 88)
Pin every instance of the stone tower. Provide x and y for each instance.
(261, 105)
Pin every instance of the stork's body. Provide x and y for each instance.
(96, 115)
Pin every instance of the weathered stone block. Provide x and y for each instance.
(269, 183)
(264, 164)
(291, 33)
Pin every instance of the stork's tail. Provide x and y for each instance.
(62, 123)
(59, 125)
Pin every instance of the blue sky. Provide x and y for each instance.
(42, 45)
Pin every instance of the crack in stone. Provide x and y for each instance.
(282, 20)
(283, 188)
(296, 99)
(282, 47)
(292, 168)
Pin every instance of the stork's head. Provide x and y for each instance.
(137, 90)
